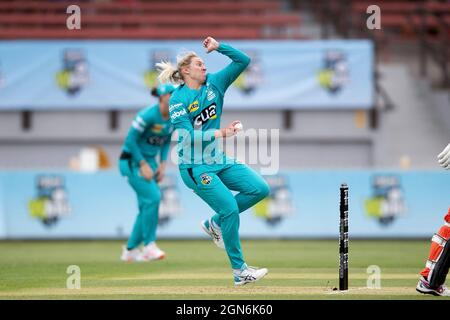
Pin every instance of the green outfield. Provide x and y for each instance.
(298, 269)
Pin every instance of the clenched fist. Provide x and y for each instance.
(210, 44)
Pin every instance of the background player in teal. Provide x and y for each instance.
(195, 111)
(148, 136)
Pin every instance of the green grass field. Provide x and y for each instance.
(298, 269)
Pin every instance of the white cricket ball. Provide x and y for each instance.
(238, 126)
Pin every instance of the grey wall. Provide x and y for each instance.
(316, 139)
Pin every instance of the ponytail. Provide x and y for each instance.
(168, 73)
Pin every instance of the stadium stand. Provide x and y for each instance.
(150, 20)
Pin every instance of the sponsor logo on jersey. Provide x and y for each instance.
(157, 128)
(205, 115)
(174, 106)
(193, 106)
(157, 140)
(206, 179)
(210, 94)
(177, 114)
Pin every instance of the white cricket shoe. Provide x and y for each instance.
(130, 255)
(214, 232)
(423, 286)
(151, 252)
(248, 274)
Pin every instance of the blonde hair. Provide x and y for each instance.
(169, 73)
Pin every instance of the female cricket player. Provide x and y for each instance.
(195, 111)
(432, 280)
(148, 136)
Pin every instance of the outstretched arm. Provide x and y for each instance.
(225, 77)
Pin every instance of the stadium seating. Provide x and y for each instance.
(408, 17)
(143, 20)
(400, 19)
(143, 6)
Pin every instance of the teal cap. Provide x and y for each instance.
(163, 89)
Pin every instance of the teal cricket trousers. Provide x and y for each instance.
(214, 183)
(148, 198)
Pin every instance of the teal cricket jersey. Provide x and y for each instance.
(195, 114)
(149, 134)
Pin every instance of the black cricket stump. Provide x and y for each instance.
(343, 238)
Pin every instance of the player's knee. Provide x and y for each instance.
(151, 202)
(154, 196)
(263, 189)
(230, 211)
(157, 197)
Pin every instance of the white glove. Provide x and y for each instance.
(444, 158)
